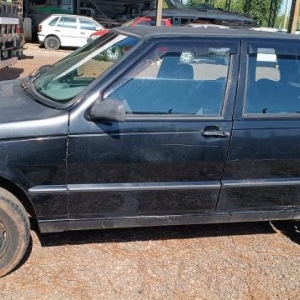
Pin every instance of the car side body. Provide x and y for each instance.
(61, 30)
(152, 141)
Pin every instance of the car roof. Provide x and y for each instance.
(182, 31)
(67, 15)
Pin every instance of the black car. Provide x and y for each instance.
(203, 14)
(147, 140)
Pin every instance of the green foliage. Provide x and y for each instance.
(279, 23)
(258, 9)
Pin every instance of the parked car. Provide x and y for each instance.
(182, 15)
(188, 56)
(147, 21)
(139, 21)
(206, 25)
(147, 140)
(61, 30)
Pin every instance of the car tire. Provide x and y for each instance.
(52, 43)
(113, 54)
(27, 29)
(14, 232)
(186, 57)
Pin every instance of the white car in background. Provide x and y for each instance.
(61, 30)
(206, 25)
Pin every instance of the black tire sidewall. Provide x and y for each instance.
(16, 224)
(49, 39)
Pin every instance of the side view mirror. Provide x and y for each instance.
(108, 110)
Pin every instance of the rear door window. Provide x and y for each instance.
(273, 81)
(67, 22)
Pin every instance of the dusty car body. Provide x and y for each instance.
(147, 140)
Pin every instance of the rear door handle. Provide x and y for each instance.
(215, 133)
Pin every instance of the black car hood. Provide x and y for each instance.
(212, 15)
(21, 116)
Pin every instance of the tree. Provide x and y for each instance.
(256, 9)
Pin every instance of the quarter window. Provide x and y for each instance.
(273, 83)
(176, 79)
(53, 22)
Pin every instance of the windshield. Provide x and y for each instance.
(67, 78)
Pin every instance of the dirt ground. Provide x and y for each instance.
(228, 261)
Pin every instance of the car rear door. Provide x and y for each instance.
(263, 169)
(164, 164)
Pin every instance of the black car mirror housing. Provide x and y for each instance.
(108, 110)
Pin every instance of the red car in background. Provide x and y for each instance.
(139, 21)
(146, 21)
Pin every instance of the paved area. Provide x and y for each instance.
(34, 56)
(228, 261)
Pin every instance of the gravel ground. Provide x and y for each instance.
(230, 261)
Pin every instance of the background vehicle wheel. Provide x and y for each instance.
(113, 54)
(14, 232)
(52, 43)
(186, 57)
(27, 29)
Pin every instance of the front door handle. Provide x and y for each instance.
(215, 132)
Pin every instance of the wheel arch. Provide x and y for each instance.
(52, 35)
(20, 194)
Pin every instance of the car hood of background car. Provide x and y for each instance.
(213, 16)
(22, 117)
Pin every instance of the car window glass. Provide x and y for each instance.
(87, 25)
(67, 22)
(176, 79)
(62, 82)
(53, 22)
(273, 83)
(266, 64)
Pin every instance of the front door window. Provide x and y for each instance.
(166, 83)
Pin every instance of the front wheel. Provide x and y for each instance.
(52, 43)
(14, 232)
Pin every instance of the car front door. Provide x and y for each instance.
(163, 165)
(67, 31)
(263, 168)
(86, 28)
